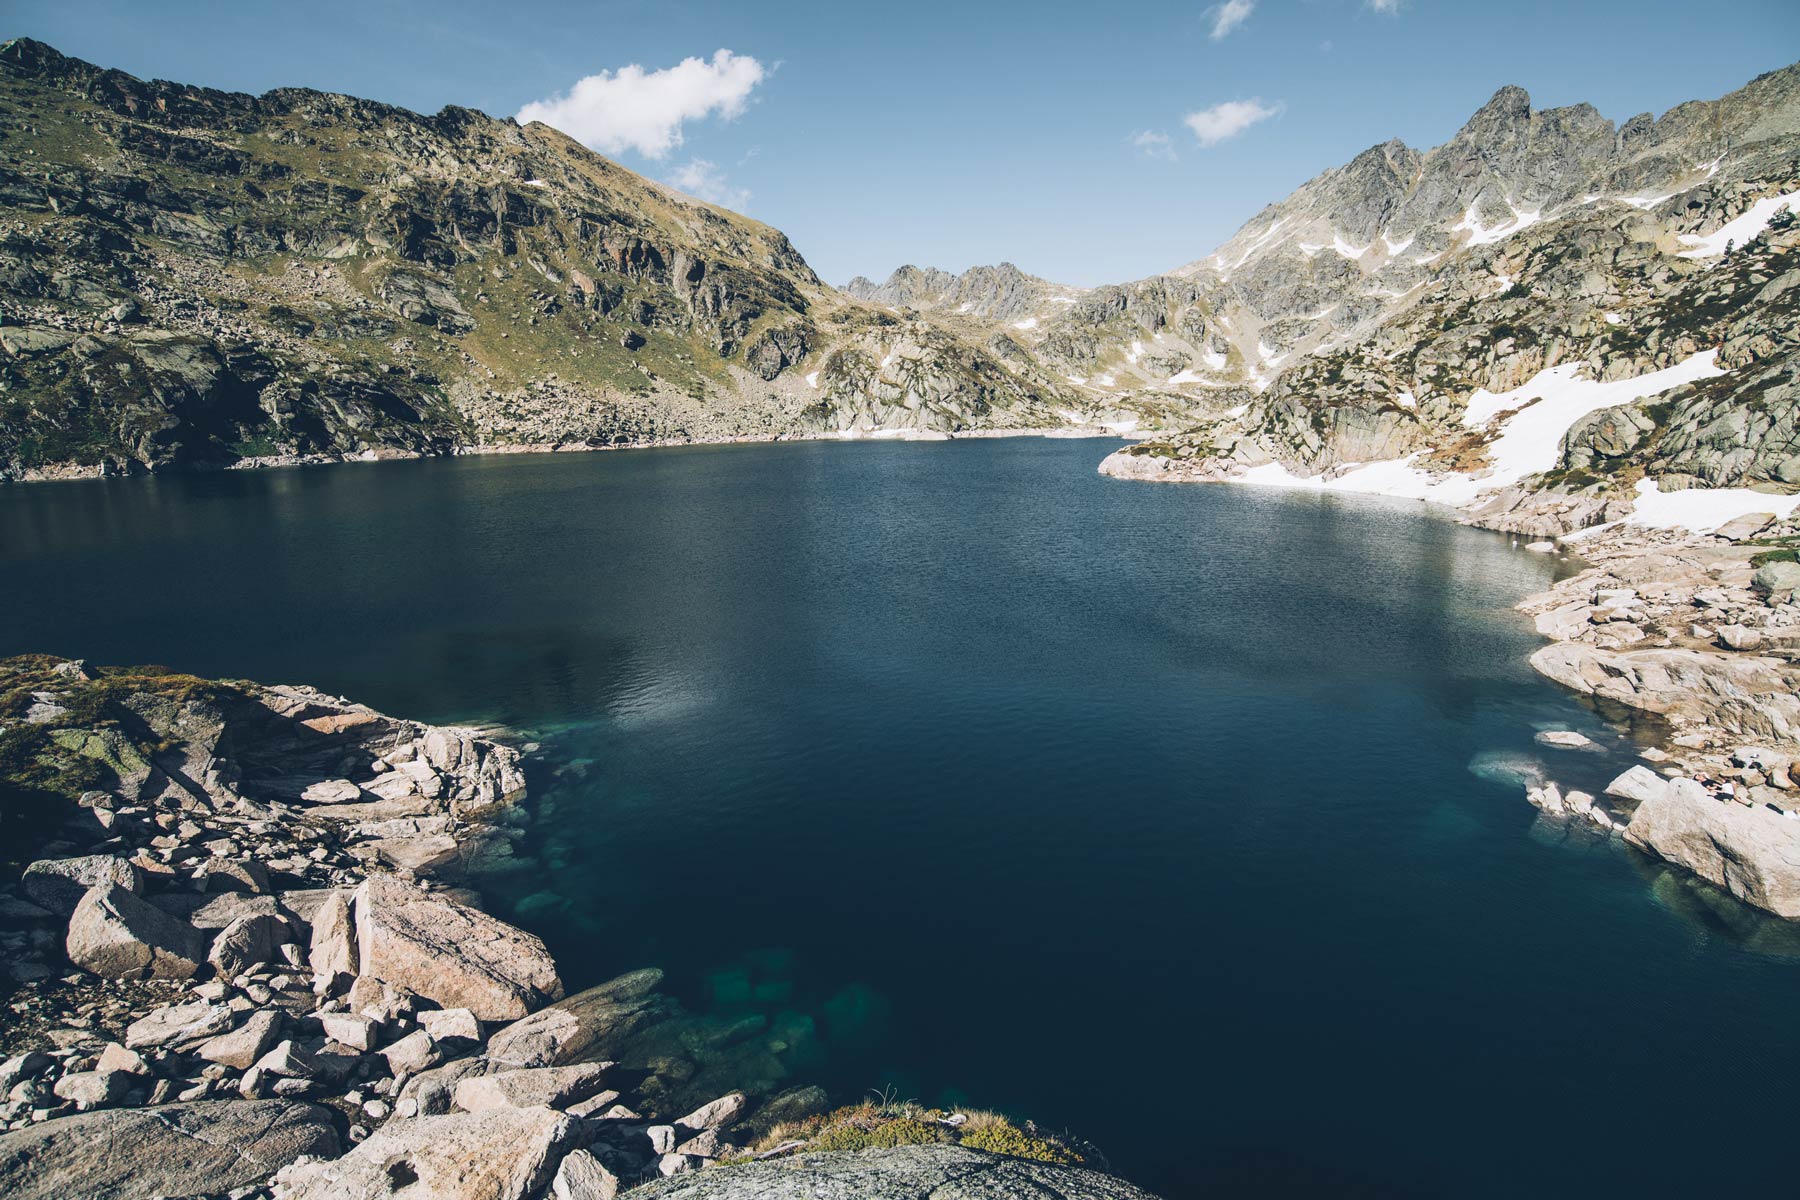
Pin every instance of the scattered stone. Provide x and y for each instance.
(1637, 783)
(678, 1164)
(1565, 739)
(233, 875)
(1739, 637)
(93, 1089)
(332, 955)
(450, 1024)
(1753, 853)
(178, 1024)
(117, 1058)
(1777, 578)
(288, 1061)
(582, 1177)
(414, 1052)
(571, 1029)
(331, 791)
(354, 1030)
(246, 944)
(241, 1047)
(19, 1068)
(1743, 528)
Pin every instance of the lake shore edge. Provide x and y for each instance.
(72, 472)
(259, 889)
(1699, 631)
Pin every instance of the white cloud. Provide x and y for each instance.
(1389, 7)
(1221, 121)
(704, 180)
(1229, 15)
(1154, 145)
(635, 109)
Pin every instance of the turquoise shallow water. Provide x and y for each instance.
(1144, 811)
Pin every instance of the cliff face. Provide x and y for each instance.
(194, 277)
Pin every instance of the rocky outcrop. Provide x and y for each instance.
(435, 1035)
(503, 1154)
(1744, 696)
(1751, 852)
(573, 1029)
(902, 1173)
(118, 936)
(450, 953)
(1672, 624)
(176, 1150)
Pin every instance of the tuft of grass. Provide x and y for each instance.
(1007, 1138)
(883, 1121)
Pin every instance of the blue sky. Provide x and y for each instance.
(950, 134)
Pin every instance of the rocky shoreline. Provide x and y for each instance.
(1701, 634)
(71, 471)
(1696, 632)
(242, 967)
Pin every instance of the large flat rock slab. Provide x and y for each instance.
(1753, 853)
(903, 1173)
(116, 935)
(175, 1150)
(506, 1154)
(588, 1024)
(454, 954)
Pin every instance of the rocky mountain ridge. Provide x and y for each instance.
(1608, 287)
(201, 278)
(1544, 225)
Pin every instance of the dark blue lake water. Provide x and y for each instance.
(1143, 811)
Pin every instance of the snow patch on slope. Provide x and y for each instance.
(1739, 229)
(1702, 509)
(1527, 443)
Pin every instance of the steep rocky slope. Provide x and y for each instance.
(194, 277)
(1533, 240)
(1356, 320)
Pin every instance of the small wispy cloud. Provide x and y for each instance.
(704, 181)
(1151, 144)
(1222, 121)
(1390, 7)
(635, 109)
(1229, 15)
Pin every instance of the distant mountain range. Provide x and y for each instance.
(197, 278)
(1354, 321)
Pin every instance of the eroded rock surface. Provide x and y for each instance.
(902, 1173)
(174, 1150)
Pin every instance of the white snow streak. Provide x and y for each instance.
(1740, 229)
(1703, 509)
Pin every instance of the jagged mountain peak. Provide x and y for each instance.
(1000, 292)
